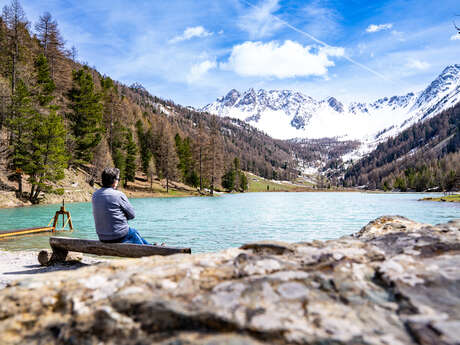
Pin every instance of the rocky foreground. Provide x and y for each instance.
(394, 282)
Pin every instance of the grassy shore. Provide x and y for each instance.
(447, 198)
(260, 184)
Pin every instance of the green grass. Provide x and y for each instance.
(447, 198)
(258, 184)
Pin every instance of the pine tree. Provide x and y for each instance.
(19, 122)
(48, 157)
(47, 154)
(45, 85)
(86, 115)
(185, 166)
(244, 183)
(214, 156)
(228, 180)
(130, 162)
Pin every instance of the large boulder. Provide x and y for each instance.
(394, 282)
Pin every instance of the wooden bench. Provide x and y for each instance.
(61, 247)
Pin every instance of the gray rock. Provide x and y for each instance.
(394, 282)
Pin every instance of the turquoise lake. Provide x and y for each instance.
(209, 224)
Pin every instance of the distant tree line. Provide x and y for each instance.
(422, 157)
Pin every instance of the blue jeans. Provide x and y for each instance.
(134, 237)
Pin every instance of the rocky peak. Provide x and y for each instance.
(231, 98)
(248, 98)
(335, 104)
(448, 80)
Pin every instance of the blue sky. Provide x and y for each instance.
(195, 51)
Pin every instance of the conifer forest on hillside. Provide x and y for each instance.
(58, 112)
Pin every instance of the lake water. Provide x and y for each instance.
(209, 224)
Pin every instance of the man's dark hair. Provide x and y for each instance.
(109, 175)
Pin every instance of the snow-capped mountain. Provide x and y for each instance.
(287, 114)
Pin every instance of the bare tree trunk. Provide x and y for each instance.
(201, 179)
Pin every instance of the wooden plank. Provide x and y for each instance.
(18, 232)
(61, 244)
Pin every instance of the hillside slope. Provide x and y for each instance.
(426, 156)
(58, 112)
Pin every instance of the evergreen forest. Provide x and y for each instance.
(424, 157)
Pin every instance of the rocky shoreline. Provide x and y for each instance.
(394, 282)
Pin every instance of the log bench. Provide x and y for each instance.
(61, 246)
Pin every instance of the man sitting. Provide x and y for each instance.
(112, 210)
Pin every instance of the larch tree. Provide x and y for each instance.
(43, 28)
(73, 54)
(199, 151)
(118, 147)
(144, 150)
(236, 167)
(112, 107)
(167, 154)
(16, 23)
(50, 39)
(5, 96)
(151, 171)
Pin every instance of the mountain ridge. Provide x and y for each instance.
(287, 114)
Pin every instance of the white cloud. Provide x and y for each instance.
(199, 70)
(455, 37)
(288, 60)
(189, 33)
(259, 21)
(380, 27)
(418, 64)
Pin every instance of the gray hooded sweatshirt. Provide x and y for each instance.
(111, 211)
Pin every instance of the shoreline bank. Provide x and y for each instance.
(8, 199)
(445, 198)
